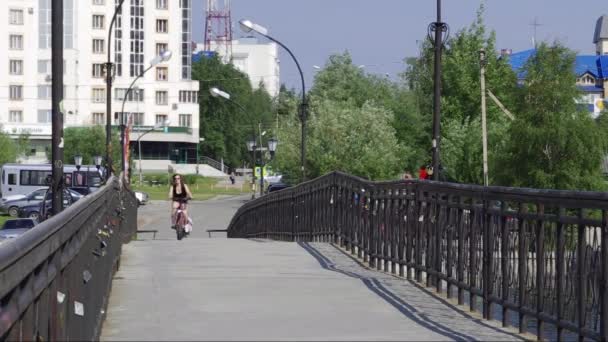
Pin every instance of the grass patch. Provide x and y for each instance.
(4, 218)
(202, 188)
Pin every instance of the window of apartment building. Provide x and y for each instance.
(187, 96)
(99, 118)
(160, 47)
(186, 43)
(98, 95)
(98, 46)
(185, 120)
(44, 24)
(15, 67)
(45, 92)
(161, 4)
(98, 70)
(162, 26)
(160, 119)
(16, 92)
(99, 2)
(16, 41)
(138, 119)
(45, 115)
(137, 34)
(162, 73)
(135, 95)
(15, 17)
(162, 97)
(98, 21)
(15, 116)
(44, 66)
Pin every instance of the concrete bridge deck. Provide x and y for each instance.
(219, 289)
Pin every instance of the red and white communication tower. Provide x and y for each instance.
(218, 28)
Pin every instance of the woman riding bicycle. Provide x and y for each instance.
(179, 195)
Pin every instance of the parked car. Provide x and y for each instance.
(142, 197)
(277, 186)
(14, 228)
(11, 207)
(41, 213)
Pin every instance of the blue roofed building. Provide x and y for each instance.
(591, 70)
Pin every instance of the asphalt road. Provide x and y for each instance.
(220, 289)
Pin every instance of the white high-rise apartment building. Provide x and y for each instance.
(260, 61)
(143, 29)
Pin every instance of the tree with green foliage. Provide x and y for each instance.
(553, 144)
(224, 125)
(461, 146)
(8, 148)
(89, 142)
(360, 141)
(23, 145)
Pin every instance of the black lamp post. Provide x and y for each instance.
(97, 160)
(109, 75)
(78, 161)
(163, 57)
(272, 147)
(248, 26)
(441, 32)
(251, 148)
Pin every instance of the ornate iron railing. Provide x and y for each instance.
(55, 279)
(535, 259)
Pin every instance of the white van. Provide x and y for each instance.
(21, 179)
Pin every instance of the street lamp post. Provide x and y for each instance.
(251, 148)
(198, 159)
(438, 28)
(157, 126)
(97, 160)
(248, 26)
(163, 57)
(109, 74)
(251, 145)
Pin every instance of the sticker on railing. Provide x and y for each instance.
(78, 308)
(60, 297)
(421, 218)
(86, 276)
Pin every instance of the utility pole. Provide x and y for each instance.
(484, 130)
(57, 100)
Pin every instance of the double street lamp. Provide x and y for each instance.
(248, 26)
(252, 147)
(163, 57)
(251, 144)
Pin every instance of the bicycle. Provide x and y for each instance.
(181, 221)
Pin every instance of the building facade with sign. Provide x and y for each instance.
(144, 28)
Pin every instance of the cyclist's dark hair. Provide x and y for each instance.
(180, 176)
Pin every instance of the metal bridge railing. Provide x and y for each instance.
(534, 259)
(55, 279)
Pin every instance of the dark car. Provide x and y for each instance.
(12, 206)
(40, 212)
(13, 228)
(83, 190)
(277, 186)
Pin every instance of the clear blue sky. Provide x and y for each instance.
(381, 33)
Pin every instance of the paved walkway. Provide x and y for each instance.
(219, 289)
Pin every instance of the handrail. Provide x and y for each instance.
(528, 254)
(55, 278)
(213, 163)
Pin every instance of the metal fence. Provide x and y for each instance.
(534, 259)
(55, 279)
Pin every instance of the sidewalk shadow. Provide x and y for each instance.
(374, 285)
